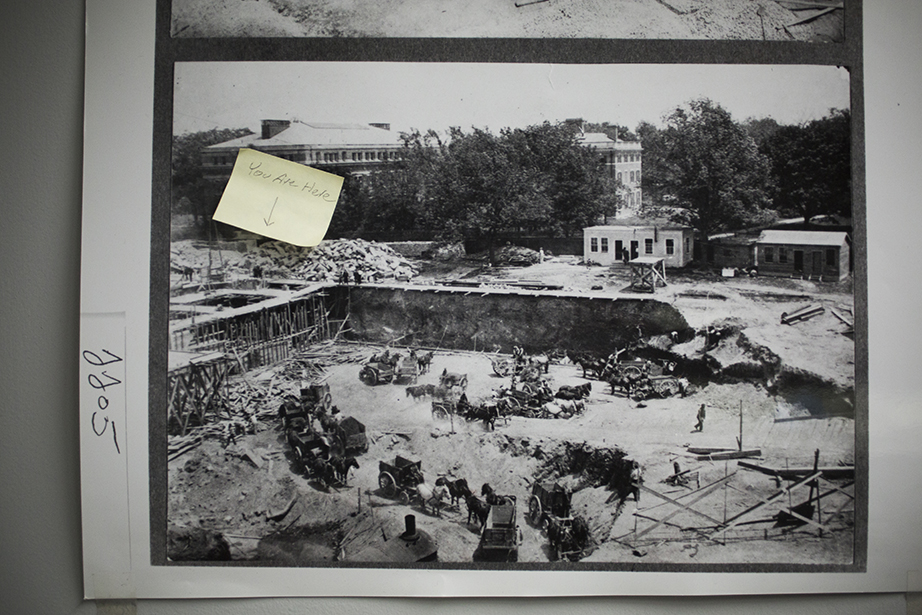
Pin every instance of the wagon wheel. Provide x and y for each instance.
(531, 388)
(439, 413)
(404, 497)
(369, 375)
(515, 406)
(668, 388)
(535, 513)
(326, 401)
(631, 371)
(298, 459)
(501, 368)
(388, 484)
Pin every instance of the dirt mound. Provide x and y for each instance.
(196, 544)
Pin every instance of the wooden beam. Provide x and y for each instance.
(687, 507)
(735, 520)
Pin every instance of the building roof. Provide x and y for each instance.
(812, 238)
(638, 227)
(318, 134)
(602, 139)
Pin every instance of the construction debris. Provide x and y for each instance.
(801, 314)
(332, 261)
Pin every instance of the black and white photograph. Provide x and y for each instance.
(812, 21)
(556, 323)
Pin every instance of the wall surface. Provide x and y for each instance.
(41, 64)
(476, 321)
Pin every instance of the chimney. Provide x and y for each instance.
(381, 125)
(273, 127)
(410, 534)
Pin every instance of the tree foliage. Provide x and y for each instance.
(190, 191)
(707, 169)
(479, 185)
(812, 166)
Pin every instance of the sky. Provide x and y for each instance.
(493, 96)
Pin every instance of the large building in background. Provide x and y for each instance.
(337, 148)
(622, 159)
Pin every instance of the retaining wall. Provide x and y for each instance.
(482, 320)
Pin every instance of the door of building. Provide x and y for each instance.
(635, 249)
(619, 249)
(799, 261)
(817, 263)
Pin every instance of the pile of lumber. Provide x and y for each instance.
(372, 261)
(516, 255)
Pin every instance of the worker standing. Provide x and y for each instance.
(699, 426)
(636, 481)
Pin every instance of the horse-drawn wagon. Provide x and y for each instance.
(347, 438)
(549, 508)
(315, 398)
(639, 379)
(400, 479)
(500, 536)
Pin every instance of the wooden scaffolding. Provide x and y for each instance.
(195, 383)
(647, 272)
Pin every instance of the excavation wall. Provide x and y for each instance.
(498, 319)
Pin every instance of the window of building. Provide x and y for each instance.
(619, 177)
(782, 255)
(593, 244)
(604, 244)
(632, 177)
(687, 246)
(830, 258)
(670, 247)
(768, 255)
(648, 245)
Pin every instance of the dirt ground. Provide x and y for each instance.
(221, 488)
(622, 19)
(247, 488)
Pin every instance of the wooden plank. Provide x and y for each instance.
(812, 17)
(679, 504)
(735, 520)
(730, 455)
(792, 473)
(687, 507)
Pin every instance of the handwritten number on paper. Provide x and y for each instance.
(100, 382)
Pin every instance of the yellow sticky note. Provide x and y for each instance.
(278, 198)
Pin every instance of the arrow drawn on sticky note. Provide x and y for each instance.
(266, 220)
(303, 198)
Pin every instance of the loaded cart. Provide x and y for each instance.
(500, 537)
(399, 479)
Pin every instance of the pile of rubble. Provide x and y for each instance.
(331, 259)
(369, 260)
(516, 256)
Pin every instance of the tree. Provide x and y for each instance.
(708, 169)
(812, 166)
(191, 193)
(484, 188)
(573, 178)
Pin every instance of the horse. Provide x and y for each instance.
(423, 361)
(341, 467)
(322, 470)
(457, 489)
(476, 508)
(485, 413)
(490, 495)
(574, 392)
(420, 390)
(432, 496)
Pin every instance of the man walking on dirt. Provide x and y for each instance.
(700, 424)
(636, 480)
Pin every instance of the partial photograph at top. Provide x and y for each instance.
(815, 21)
